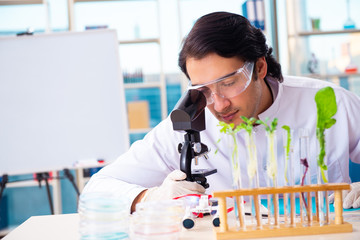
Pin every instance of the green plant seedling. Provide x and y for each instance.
(248, 125)
(287, 149)
(326, 108)
(271, 128)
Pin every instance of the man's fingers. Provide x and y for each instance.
(192, 186)
(356, 204)
(177, 175)
(351, 198)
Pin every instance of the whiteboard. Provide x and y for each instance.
(61, 101)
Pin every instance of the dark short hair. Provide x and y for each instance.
(228, 35)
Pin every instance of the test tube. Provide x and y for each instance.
(236, 175)
(305, 198)
(271, 169)
(253, 176)
(288, 175)
(323, 201)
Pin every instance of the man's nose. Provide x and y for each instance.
(220, 103)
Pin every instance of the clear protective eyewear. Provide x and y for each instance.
(227, 86)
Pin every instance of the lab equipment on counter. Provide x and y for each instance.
(189, 116)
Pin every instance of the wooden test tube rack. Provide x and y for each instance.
(266, 230)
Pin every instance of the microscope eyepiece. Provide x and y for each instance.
(188, 114)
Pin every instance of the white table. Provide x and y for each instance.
(65, 226)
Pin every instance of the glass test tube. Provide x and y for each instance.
(273, 199)
(322, 196)
(236, 175)
(289, 207)
(305, 197)
(252, 170)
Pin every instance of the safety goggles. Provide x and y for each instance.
(227, 86)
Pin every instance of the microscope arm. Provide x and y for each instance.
(185, 160)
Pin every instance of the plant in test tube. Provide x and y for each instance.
(230, 129)
(288, 174)
(252, 166)
(271, 130)
(287, 151)
(247, 125)
(271, 169)
(305, 201)
(304, 157)
(326, 108)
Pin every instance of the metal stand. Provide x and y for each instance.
(4, 181)
(45, 176)
(69, 176)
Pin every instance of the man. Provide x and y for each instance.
(228, 59)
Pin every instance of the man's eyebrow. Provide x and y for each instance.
(231, 74)
(218, 79)
(228, 75)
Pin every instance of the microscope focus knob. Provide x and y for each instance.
(197, 147)
(180, 146)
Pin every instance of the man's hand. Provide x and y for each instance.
(173, 186)
(351, 199)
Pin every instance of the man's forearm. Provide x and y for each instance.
(137, 200)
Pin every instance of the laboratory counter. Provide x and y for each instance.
(65, 226)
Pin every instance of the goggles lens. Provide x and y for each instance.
(228, 86)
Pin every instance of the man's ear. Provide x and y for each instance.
(261, 67)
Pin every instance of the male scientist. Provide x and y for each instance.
(228, 60)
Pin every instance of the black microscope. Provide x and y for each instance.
(189, 116)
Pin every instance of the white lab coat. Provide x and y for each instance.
(150, 160)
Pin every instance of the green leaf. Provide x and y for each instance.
(326, 105)
(238, 128)
(326, 108)
(252, 120)
(269, 127)
(274, 124)
(287, 149)
(245, 119)
(329, 123)
(287, 128)
(242, 125)
(247, 124)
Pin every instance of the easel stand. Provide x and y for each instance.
(261, 230)
(69, 176)
(4, 181)
(45, 177)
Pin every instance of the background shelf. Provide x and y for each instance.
(312, 33)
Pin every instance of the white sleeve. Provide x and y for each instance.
(353, 107)
(146, 164)
(102, 183)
